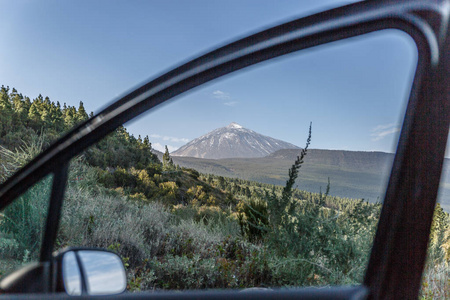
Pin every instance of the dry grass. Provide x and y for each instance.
(436, 282)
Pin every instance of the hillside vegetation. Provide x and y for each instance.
(176, 228)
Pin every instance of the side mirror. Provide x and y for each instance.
(92, 272)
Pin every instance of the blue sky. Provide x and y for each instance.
(353, 91)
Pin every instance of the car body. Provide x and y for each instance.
(399, 250)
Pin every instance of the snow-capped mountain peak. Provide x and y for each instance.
(234, 125)
(232, 141)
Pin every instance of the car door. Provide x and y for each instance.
(399, 250)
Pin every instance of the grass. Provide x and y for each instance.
(199, 246)
(436, 282)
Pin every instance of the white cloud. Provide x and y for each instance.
(175, 139)
(381, 131)
(221, 95)
(232, 103)
(162, 148)
(383, 127)
(169, 138)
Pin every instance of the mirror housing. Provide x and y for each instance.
(90, 271)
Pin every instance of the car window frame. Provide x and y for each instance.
(414, 176)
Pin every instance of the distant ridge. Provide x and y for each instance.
(232, 141)
(368, 161)
(353, 174)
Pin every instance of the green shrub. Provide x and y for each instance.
(192, 172)
(154, 168)
(169, 191)
(24, 220)
(253, 218)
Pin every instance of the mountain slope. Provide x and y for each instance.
(232, 141)
(353, 174)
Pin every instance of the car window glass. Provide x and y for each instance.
(22, 225)
(196, 194)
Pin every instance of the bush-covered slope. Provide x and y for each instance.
(176, 228)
